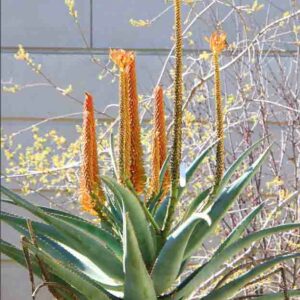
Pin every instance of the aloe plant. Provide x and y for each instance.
(139, 249)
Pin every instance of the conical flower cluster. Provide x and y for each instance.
(130, 147)
(92, 196)
(159, 144)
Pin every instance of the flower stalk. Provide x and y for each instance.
(218, 44)
(177, 128)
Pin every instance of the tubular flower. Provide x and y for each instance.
(159, 141)
(218, 44)
(137, 170)
(92, 196)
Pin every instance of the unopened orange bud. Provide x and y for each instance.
(218, 41)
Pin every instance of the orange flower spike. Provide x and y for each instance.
(89, 109)
(137, 170)
(121, 58)
(160, 129)
(217, 44)
(92, 196)
(125, 114)
(86, 171)
(95, 168)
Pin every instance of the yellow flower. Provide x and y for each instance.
(68, 90)
(21, 54)
(11, 89)
(71, 6)
(139, 23)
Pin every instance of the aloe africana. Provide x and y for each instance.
(134, 252)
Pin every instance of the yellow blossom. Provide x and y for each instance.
(68, 90)
(139, 23)
(71, 6)
(21, 53)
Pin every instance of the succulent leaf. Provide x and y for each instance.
(205, 271)
(167, 264)
(138, 284)
(58, 251)
(82, 241)
(160, 214)
(107, 238)
(195, 164)
(196, 203)
(137, 216)
(222, 204)
(280, 295)
(18, 256)
(230, 171)
(230, 289)
(238, 230)
(76, 279)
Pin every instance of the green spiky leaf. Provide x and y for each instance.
(230, 289)
(195, 203)
(205, 271)
(280, 295)
(240, 228)
(18, 256)
(138, 284)
(222, 204)
(170, 258)
(82, 241)
(230, 171)
(138, 218)
(89, 288)
(160, 214)
(194, 165)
